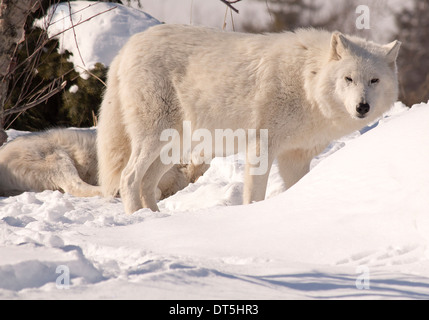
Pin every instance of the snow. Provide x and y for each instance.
(362, 207)
(100, 30)
(361, 213)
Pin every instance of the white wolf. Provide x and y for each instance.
(307, 88)
(66, 160)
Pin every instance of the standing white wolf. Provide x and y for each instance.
(307, 88)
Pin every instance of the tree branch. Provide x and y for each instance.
(80, 22)
(229, 4)
(32, 104)
(74, 33)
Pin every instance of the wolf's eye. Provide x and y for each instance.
(375, 80)
(348, 79)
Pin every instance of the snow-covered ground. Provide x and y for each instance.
(357, 226)
(362, 213)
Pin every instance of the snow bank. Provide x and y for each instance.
(100, 29)
(365, 205)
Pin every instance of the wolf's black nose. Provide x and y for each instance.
(362, 108)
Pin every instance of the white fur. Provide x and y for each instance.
(59, 159)
(292, 84)
(66, 160)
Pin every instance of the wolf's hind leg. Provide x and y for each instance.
(68, 180)
(143, 154)
(150, 182)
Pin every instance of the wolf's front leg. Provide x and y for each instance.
(255, 187)
(258, 166)
(293, 165)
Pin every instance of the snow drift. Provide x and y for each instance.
(365, 205)
(94, 31)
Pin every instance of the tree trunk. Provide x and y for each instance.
(13, 14)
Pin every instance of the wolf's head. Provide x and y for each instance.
(363, 75)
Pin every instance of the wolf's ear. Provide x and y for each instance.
(392, 50)
(339, 45)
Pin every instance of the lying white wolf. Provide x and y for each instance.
(66, 160)
(306, 88)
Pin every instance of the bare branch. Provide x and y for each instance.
(74, 33)
(229, 4)
(13, 15)
(93, 75)
(72, 14)
(83, 21)
(32, 104)
(31, 95)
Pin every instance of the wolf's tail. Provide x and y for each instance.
(113, 145)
